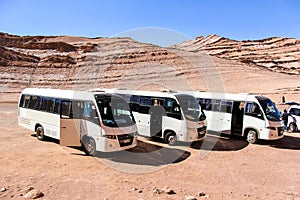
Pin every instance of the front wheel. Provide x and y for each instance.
(252, 136)
(293, 127)
(39, 132)
(89, 146)
(170, 138)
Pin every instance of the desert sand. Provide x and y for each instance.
(231, 169)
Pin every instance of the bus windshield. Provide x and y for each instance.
(114, 111)
(269, 108)
(190, 107)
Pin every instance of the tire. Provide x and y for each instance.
(39, 132)
(293, 127)
(252, 137)
(170, 138)
(89, 146)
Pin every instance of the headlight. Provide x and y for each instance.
(110, 136)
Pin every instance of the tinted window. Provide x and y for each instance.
(65, 109)
(205, 104)
(47, 104)
(216, 104)
(172, 108)
(226, 106)
(57, 106)
(26, 101)
(134, 103)
(76, 109)
(252, 109)
(35, 102)
(22, 101)
(90, 113)
(295, 111)
(145, 104)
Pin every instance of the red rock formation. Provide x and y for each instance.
(276, 54)
(84, 63)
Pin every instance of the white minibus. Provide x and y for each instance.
(253, 116)
(98, 121)
(169, 115)
(294, 118)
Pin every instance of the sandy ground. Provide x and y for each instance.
(219, 168)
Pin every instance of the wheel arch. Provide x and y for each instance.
(38, 125)
(167, 131)
(246, 130)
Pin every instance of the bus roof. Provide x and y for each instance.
(170, 94)
(64, 94)
(228, 96)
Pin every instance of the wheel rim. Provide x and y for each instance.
(251, 137)
(90, 146)
(39, 132)
(172, 139)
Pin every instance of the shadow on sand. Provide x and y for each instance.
(287, 142)
(146, 154)
(216, 142)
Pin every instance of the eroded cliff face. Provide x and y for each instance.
(277, 54)
(208, 63)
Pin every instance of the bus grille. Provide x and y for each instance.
(280, 131)
(125, 140)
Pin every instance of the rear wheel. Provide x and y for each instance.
(252, 136)
(89, 146)
(293, 127)
(39, 132)
(170, 138)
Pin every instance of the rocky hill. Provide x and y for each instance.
(208, 63)
(276, 53)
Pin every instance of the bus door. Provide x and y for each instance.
(157, 111)
(226, 110)
(143, 117)
(90, 122)
(69, 126)
(254, 116)
(237, 117)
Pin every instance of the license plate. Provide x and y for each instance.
(126, 141)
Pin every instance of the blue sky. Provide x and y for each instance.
(235, 19)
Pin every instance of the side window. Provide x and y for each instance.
(145, 104)
(216, 105)
(76, 110)
(21, 104)
(35, 102)
(65, 109)
(26, 101)
(47, 104)
(172, 108)
(226, 106)
(89, 112)
(134, 103)
(252, 109)
(297, 112)
(57, 106)
(208, 104)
